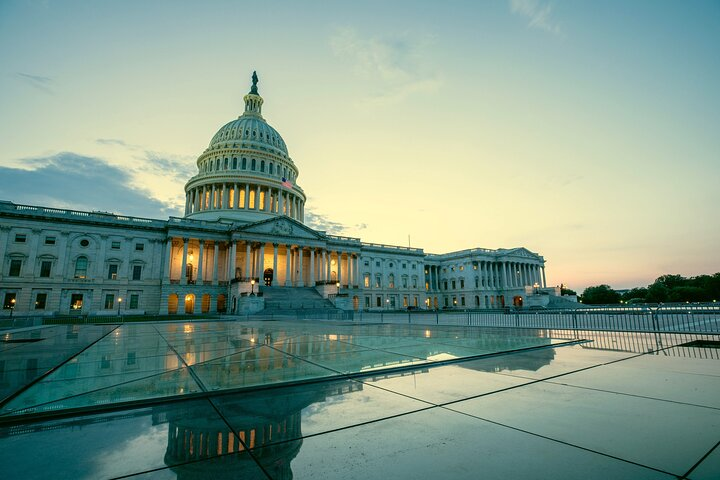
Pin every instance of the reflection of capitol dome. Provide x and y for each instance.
(245, 174)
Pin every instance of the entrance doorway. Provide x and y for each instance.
(268, 277)
(189, 304)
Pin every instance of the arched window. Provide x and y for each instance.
(244, 163)
(226, 164)
(252, 164)
(81, 265)
(234, 163)
(217, 164)
(262, 165)
(270, 170)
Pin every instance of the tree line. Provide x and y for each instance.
(665, 289)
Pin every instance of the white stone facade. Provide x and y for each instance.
(243, 220)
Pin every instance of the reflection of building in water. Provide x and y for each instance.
(269, 424)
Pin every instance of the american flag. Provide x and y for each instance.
(286, 183)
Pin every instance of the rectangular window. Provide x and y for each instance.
(109, 301)
(15, 266)
(76, 301)
(112, 272)
(367, 302)
(131, 357)
(367, 281)
(40, 301)
(415, 301)
(405, 301)
(454, 285)
(45, 268)
(20, 238)
(9, 301)
(404, 265)
(404, 283)
(377, 264)
(367, 264)
(134, 300)
(139, 247)
(378, 301)
(49, 240)
(462, 283)
(378, 283)
(137, 272)
(414, 284)
(105, 361)
(115, 245)
(462, 301)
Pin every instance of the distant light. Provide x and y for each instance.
(188, 328)
(427, 333)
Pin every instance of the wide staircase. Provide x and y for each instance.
(292, 300)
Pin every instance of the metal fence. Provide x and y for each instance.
(695, 318)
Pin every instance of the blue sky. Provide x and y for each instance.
(586, 131)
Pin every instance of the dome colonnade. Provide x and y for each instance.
(245, 174)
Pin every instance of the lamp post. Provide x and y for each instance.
(387, 303)
(252, 287)
(337, 284)
(12, 307)
(119, 303)
(536, 286)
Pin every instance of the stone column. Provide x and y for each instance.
(275, 264)
(261, 263)
(233, 260)
(236, 196)
(288, 253)
(267, 200)
(301, 279)
(201, 258)
(503, 268)
(339, 267)
(544, 282)
(247, 196)
(312, 267)
(257, 198)
(247, 259)
(168, 259)
(183, 276)
(216, 252)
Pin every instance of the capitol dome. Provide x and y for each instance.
(246, 173)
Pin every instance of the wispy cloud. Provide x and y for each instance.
(39, 82)
(320, 222)
(538, 12)
(69, 180)
(393, 66)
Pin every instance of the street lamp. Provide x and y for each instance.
(119, 302)
(252, 287)
(387, 303)
(536, 286)
(337, 284)
(12, 306)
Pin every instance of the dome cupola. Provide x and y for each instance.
(246, 173)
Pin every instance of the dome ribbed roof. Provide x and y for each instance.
(250, 131)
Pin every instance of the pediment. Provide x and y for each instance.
(520, 252)
(282, 227)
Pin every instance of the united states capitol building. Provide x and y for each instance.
(242, 234)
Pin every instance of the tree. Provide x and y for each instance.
(600, 295)
(637, 294)
(567, 291)
(657, 293)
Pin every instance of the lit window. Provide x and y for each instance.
(112, 271)
(81, 265)
(391, 281)
(76, 301)
(367, 280)
(9, 301)
(40, 301)
(109, 301)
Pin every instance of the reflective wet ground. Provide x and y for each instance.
(320, 400)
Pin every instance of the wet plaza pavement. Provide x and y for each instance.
(337, 400)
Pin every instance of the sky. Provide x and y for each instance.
(585, 131)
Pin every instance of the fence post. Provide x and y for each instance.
(409, 318)
(437, 318)
(656, 325)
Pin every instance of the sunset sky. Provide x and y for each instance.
(588, 132)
